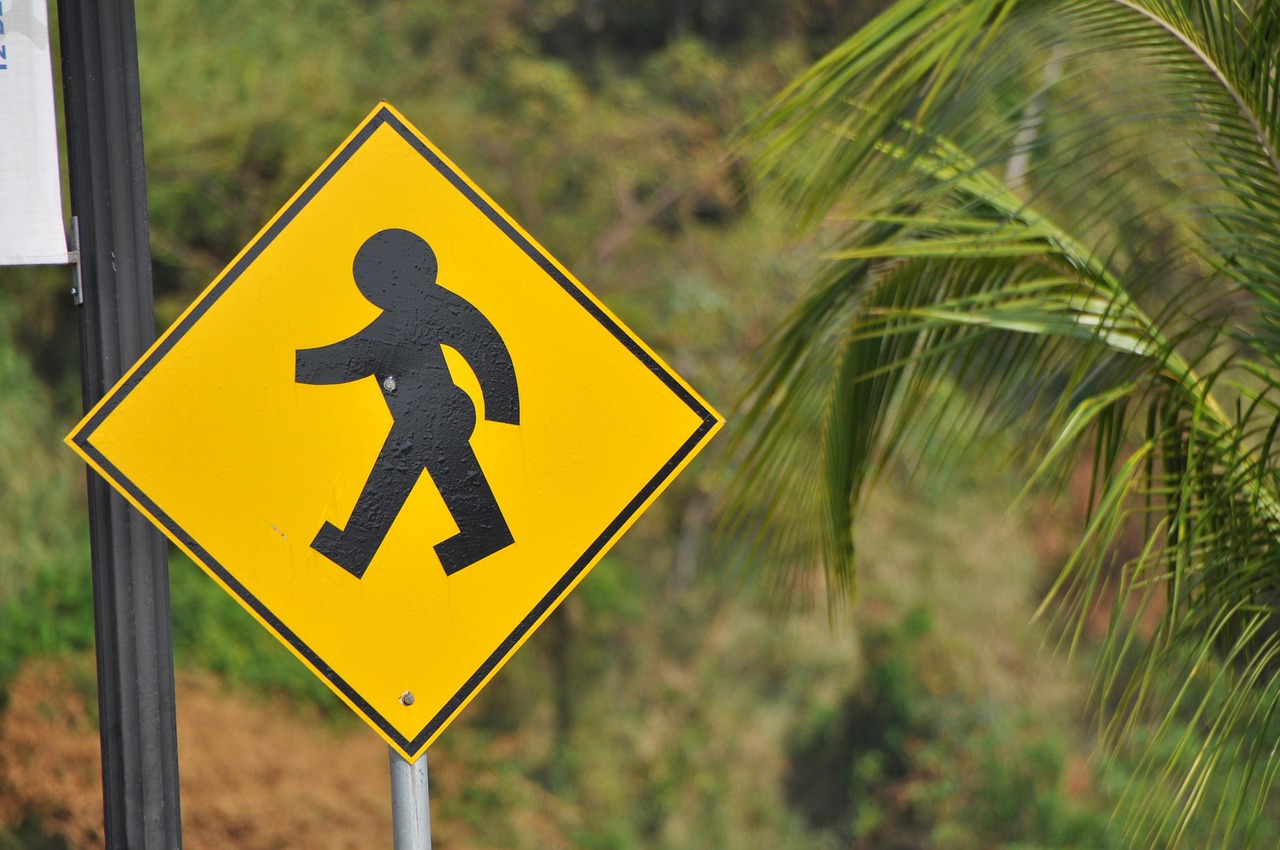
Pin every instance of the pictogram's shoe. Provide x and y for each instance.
(332, 543)
(462, 550)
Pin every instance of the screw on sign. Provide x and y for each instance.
(396, 430)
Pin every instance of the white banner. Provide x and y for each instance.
(31, 229)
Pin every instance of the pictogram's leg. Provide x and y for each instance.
(482, 530)
(394, 473)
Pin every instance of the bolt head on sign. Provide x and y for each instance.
(396, 430)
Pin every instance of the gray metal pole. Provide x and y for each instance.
(117, 323)
(410, 803)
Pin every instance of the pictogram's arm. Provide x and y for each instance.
(348, 360)
(477, 340)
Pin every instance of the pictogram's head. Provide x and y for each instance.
(394, 268)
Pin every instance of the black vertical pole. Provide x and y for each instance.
(117, 323)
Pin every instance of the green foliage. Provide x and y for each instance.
(630, 28)
(1053, 221)
(46, 598)
(52, 614)
(30, 835)
(863, 749)
(37, 525)
(908, 758)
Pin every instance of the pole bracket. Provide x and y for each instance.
(73, 256)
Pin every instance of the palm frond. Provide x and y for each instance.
(1114, 300)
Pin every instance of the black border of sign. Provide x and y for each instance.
(384, 116)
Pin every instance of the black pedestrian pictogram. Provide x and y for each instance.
(433, 419)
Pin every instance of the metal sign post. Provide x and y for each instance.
(410, 803)
(117, 323)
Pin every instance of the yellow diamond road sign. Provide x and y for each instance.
(396, 430)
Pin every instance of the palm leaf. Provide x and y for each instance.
(1116, 301)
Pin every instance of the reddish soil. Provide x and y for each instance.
(255, 775)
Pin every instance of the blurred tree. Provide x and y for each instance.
(582, 29)
(1051, 234)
